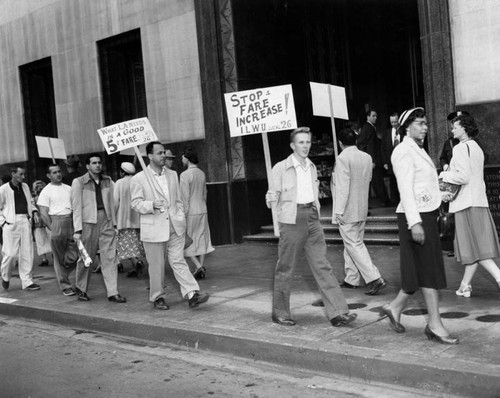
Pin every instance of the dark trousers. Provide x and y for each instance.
(64, 248)
(378, 185)
(305, 236)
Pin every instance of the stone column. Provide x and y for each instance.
(437, 68)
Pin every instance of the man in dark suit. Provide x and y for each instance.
(368, 134)
(369, 142)
(390, 139)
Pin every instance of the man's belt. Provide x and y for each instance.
(305, 205)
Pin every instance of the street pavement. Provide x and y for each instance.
(237, 321)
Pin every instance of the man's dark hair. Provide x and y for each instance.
(347, 137)
(191, 155)
(14, 168)
(52, 165)
(93, 155)
(394, 114)
(369, 112)
(151, 145)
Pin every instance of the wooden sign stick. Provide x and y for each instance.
(267, 157)
(334, 133)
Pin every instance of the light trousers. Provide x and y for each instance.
(18, 242)
(99, 236)
(155, 254)
(307, 236)
(357, 260)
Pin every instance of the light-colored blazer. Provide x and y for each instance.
(284, 182)
(466, 169)
(125, 216)
(351, 184)
(7, 205)
(155, 225)
(83, 200)
(417, 181)
(193, 191)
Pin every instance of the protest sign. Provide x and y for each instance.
(128, 134)
(329, 101)
(52, 148)
(261, 110)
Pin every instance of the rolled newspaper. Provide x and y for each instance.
(84, 256)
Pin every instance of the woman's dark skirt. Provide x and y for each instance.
(421, 266)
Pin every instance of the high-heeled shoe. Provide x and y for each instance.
(464, 291)
(385, 311)
(440, 339)
(139, 266)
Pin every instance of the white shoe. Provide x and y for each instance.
(464, 291)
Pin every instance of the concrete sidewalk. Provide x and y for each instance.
(237, 320)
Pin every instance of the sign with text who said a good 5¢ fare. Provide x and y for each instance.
(127, 134)
(262, 110)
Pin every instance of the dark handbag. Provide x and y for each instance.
(188, 241)
(446, 225)
(450, 188)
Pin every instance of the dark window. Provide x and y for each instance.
(122, 77)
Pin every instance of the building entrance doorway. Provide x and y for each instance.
(37, 88)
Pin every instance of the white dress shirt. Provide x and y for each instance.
(305, 190)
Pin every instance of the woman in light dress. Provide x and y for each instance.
(194, 196)
(476, 240)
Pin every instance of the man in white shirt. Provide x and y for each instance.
(294, 191)
(390, 140)
(155, 195)
(55, 209)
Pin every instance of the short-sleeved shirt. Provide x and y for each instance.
(57, 198)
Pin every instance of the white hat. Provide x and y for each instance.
(128, 167)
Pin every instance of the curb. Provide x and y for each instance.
(369, 365)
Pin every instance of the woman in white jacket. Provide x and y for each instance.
(476, 240)
(421, 260)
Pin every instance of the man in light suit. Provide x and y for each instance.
(390, 140)
(16, 210)
(350, 186)
(155, 195)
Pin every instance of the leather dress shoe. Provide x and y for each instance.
(348, 285)
(376, 285)
(343, 319)
(281, 320)
(197, 299)
(117, 299)
(5, 284)
(318, 303)
(161, 304)
(82, 296)
(395, 325)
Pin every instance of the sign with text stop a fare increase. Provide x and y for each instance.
(261, 110)
(123, 135)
